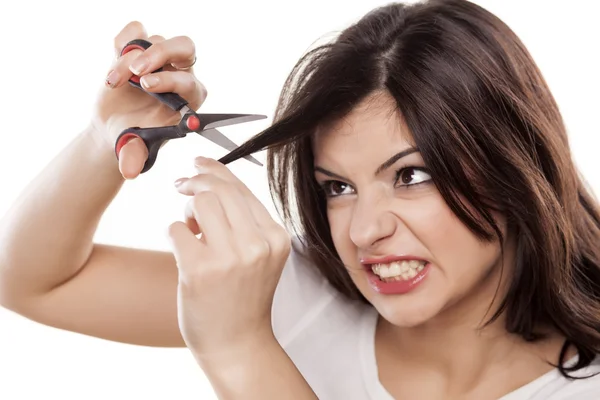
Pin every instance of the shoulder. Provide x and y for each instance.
(302, 275)
(302, 292)
(585, 386)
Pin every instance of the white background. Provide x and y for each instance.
(55, 56)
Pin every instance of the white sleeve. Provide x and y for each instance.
(586, 390)
(301, 294)
(582, 389)
(578, 389)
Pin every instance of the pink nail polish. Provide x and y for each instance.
(179, 181)
(112, 79)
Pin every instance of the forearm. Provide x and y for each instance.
(47, 235)
(260, 371)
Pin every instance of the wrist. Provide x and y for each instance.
(257, 369)
(242, 352)
(98, 138)
(100, 151)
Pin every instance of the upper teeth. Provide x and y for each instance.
(405, 269)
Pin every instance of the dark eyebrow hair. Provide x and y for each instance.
(388, 163)
(395, 158)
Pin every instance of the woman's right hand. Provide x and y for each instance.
(122, 106)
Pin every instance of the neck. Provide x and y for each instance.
(450, 346)
(456, 346)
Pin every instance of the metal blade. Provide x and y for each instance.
(219, 138)
(235, 120)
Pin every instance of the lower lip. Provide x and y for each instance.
(397, 287)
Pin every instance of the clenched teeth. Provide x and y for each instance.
(398, 270)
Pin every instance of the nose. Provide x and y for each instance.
(372, 222)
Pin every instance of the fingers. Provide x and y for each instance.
(131, 31)
(132, 157)
(169, 54)
(239, 217)
(253, 231)
(221, 212)
(236, 232)
(186, 247)
(214, 225)
(210, 166)
(181, 82)
(179, 50)
(212, 220)
(120, 71)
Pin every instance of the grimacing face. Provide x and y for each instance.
(399, 213)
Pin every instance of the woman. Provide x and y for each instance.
(447, 247)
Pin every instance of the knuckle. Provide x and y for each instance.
(155, 53)
(190, 279)
(200, 90)
(281, 239)
(220, 186)
(154, 39)
(256, 250)
(210, 182)
(206, 163)
(172, 229)
(189, 207)
(127, 59)
(187, 42)
(191, 83)
(215, 165)
(230, 260)
(135, 26)
(204, 199)
(132, 30)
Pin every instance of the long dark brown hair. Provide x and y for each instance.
(489, 131)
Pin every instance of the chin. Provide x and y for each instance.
(408, 310)
(405, 315)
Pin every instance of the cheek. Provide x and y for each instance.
(458, 253)
(339, 223)
(436, 227)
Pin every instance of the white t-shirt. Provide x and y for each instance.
(331, 342)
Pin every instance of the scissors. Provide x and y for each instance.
(203, 124)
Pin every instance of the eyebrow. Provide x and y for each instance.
(387, 164)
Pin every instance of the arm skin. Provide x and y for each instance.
(52, 272)
(258, 370)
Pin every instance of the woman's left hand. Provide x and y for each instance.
(227, 276)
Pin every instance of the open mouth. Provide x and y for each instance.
(396, 271)
(396, 275)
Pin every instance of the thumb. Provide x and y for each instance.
(186, 246)
(132, 157)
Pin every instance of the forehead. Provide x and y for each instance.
(374, 127)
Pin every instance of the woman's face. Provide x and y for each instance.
(405, 250)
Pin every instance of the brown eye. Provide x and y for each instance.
(335, 188)
(406, 175)
(411, 176)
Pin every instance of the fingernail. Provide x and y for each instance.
(149, 81)
(198, 161)
(112, 79)
(139, 65)
(179, 181)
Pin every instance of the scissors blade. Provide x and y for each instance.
(217, 120)
(219, 138)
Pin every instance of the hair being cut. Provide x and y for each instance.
(489, 130)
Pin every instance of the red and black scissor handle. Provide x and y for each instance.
(173, 100)
(153, 138)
